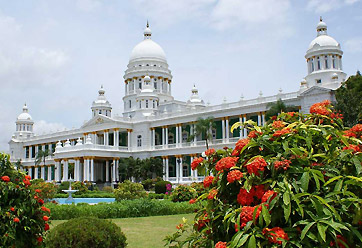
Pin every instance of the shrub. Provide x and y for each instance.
(156, 196)
(46, 191)
(23, 218)
(199, 187)
(295, 182)
(80, 186)
(147, 184)
(107, 189)
(183, 193)
(128, 190)
(160, 187)
(62, 186)
(123, 209)
(86, 232)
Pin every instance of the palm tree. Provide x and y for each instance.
(41, 155)
(204, 128)
(278, 107)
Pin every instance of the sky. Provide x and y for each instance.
(54, 55)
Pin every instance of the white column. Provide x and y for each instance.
(114, 171)
(241, 130)
(192, 171)
(65, 170)
(163, 137)
(227, 130)
(107, 170)
(263, 118)
(154, 137)
(30, 172)
(57, 171)
(104, 138)
(86, 170)
(92, 169)
(42, 172)
(117, 174)
(223, 130)
(76, 170)
(49, 173)
(181, 170)
(129, 139)
(259, 119)
(164, 168)
(166, 136)
(180, 134)
(177, 136)
(30, 152)
(151, 138)
(36, 173)
(117, 138)
(245, 130)
(94, 138)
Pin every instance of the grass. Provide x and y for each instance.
(144, 232)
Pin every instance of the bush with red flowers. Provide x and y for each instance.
(296, 182)
(23, 219)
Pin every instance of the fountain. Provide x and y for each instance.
(70, 191)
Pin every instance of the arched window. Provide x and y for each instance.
(326, 62)
(146, 103)
(318, 63)
(312, 65)
(153, 104)
(334, 61)
(139, 140)
(130, 103)
(140, 104)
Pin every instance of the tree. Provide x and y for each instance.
(41, 156)
(204, 128)
(278, 107)
(140, 169)
(349, 102)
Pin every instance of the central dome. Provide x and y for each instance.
(324, 40)
(147, 49)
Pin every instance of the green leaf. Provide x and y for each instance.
(305, 181)
(306, 229)
(252, 242)
(357, 164)
(322, 230)
(236, 125)
(286, 198)
(287, 211)
(243, 240)
(332, 180)
(266, 215)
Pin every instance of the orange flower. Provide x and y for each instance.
(210, 152)
(234, 175)
(12, 209)
(320, 108)
(257, 165)
(26, 182)
(245, 198)
(192, 201)
(254, 134)
(247, 214)
(212, 194)
(357, 128)
(279, 133)
(275, 235)
(226, 163)
(268, 196)
(45, 218)
(38, 190)
(282, 164)
(27, 177)
(179, 226)
(5, 179)
(46, 227)
(354, 148)
(208, 181)
(45, 209)
(291, 114)
(278, 124)
(220, 244)
(239, 146)
(16, 220)
(349, 133)
(40, 239)
(195, 163)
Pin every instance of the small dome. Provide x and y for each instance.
(25, 115)
(147, 49)
(321, 25)
(101, 100)
(147, 78)
(324, 40)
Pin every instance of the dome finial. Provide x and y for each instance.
(147, 32)
(320, 19)
(321, 27)
(147, 26)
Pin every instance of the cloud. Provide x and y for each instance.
(354, 45)
(88, 5)
(43, 127)
(323, 6)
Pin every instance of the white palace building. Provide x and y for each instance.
(154, 124)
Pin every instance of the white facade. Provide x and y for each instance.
(154, 124)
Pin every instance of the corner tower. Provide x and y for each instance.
(324, 60)
(24, 125)
(147, 59)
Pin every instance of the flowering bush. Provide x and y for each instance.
(162, 188)
(46, 191)
(128, 191)
(183, 193)
(296, 182)
(23, 218)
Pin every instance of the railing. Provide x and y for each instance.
(90, 146)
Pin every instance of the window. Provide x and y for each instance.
(319, 81)
(185, 136)
(213, 133)
(312, 65)
(147, 65)
(153, 104)
(139, 140)
(155, 85)
(130, 103)
(140, 85)
(326, 62)
(334, 61)
(185, 170)
(170, 138)
(140, 104)
(100, 112)
(318, 63)
(146, 103)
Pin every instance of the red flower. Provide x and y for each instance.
(282, 164)
(317, 164)
(220, 244)
(340, 239)
(40, 239)
(26, 182)
(279, 133)
(226, 163)
(210, 152)
(245, 198)
(274, 117)
(349, 133)
(254, 134)
(192, 201)
(12, 209)
(46, 227)
(45, 218)
(259, 191)
(195, 163)
(234, 175)
(212, 194)
(291, 114)
(247, 213)
(179, 226)
(37, 190)
(16, 220)
(5, 178)
(208, 181)
(27, 177)
(239, 146)
(269, 194)
(278, 124)
(357, 128)
(275, 235)
(41, 201)
(320, 108)
(45, 209)
(257, 165)
(354, 148)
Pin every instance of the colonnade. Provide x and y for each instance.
(326, 61)
(180, 177)
(163, 85)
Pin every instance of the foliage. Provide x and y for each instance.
(160, 187)
(296, 183)
(23, 219)
(46, 190)
(199, 187)
(156, 196)
(183, 193)
(140, 169)
(81, 187)
(86, 232)
(128, 191)
(349, 102)
(41, 156)
(278, 107)
(203, 128)
(123, 209)
(108, 189)
(149, 184)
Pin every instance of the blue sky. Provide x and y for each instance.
(54, 55)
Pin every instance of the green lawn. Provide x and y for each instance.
(144, 232)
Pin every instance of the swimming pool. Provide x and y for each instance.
(85, 200)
